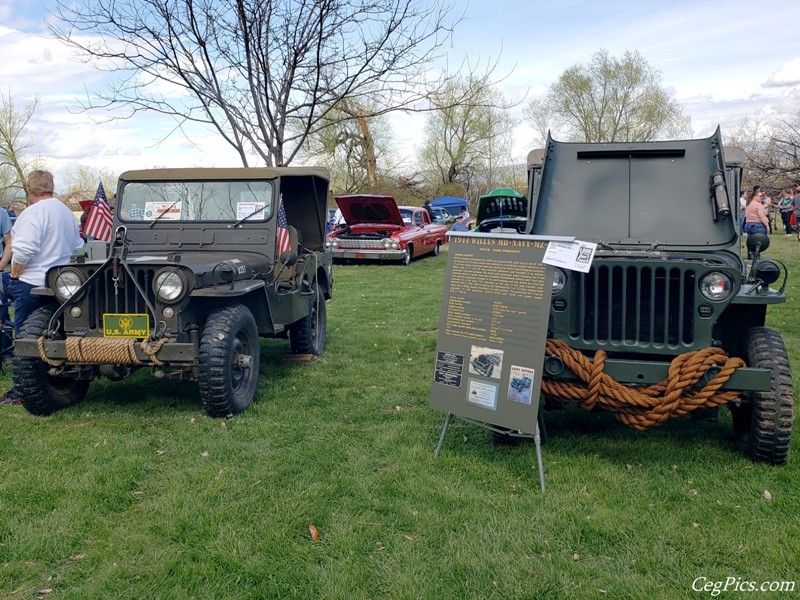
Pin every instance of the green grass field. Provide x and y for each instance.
(136, 494)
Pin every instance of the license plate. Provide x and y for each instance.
(126, 326)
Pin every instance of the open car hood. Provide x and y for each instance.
(638, 195)
(372, 210)
(497, 206)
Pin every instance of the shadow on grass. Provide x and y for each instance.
(681, 439)
(142, 394)
(580, 434)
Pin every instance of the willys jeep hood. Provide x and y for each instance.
(370, 210)
(657, 195)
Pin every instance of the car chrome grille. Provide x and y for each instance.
(624, 305)
(102, 297)
(360, 244)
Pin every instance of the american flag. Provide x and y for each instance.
(283, 230)
(98, 223)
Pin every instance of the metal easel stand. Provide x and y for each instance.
(539, 433)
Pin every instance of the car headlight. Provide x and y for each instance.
(395, 244)
(559, 280)
(169, 285)
(716, 286)
(67, 283)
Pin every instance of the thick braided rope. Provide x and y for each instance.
(103, 351)
(152, 348)
(642, 408)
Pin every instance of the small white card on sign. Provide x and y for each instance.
(575, 256)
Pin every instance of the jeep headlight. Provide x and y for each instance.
(716, 286)
(169, 285)
(67, 283)
(559, 280)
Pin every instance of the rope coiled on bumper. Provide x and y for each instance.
(645, 407)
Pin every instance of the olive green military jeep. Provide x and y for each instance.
(202, 263)
(668, 277)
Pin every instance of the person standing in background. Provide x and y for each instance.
(786, 207)
(6, 342)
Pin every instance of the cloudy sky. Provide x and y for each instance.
(723, 61)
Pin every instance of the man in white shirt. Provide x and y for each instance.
(45, 235)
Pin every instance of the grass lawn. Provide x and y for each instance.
(135, 493)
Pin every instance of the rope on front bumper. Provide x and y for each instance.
(644, 407)
(103, 351)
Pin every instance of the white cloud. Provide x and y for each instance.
(787, 75)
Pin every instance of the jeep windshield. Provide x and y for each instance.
(647, 195)
(165, 201)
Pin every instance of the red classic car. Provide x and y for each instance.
(378, 229)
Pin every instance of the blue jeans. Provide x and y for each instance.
(751, 228)
(24, 302)
(6, 342)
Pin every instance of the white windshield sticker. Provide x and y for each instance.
(250, 210)
(170, 211)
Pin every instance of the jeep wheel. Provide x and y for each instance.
(229, 361)
(409, 255)
(762, 426)
(307, 336)
(41, 393)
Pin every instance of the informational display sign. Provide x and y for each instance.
(493, 329)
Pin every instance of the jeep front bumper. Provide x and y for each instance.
(178, 354)
(642, 373)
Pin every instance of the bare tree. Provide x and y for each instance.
(14, 146)
(539, 115)
(779, 159)
(460, 133)
(263, 74)
(80, 183)
(353, 146)
(611, 100)
(771, 148)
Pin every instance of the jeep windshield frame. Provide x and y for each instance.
(638, 195)
(198, 201)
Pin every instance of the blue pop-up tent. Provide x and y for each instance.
(451, 203)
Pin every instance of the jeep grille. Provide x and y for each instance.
(623, 304)
(102, 299)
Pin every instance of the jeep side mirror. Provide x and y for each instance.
(288, 258)
(757, 243)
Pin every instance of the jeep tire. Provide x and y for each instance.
(307, 336)
(229, 361)
(41, 393)
(762, 427)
